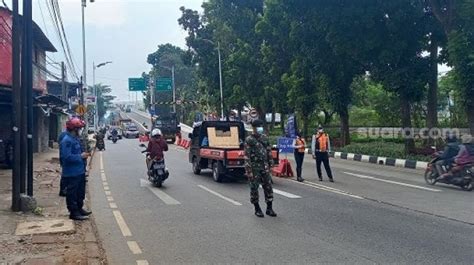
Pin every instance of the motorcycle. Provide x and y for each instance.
(462, 178)
(100, 145)
(114, 139)
(157, 173)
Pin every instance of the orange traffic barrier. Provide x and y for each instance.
(283, 169)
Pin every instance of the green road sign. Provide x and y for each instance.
(136, 84)
(164, 84)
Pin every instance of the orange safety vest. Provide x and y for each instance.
(322, 142)
(302, 143)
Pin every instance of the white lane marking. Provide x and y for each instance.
(101, 162)
(121, 223)
(142, 262)
(328, 189)
(159, 193)
(110, 198)
(103, 176)
(106, 187)
(113, 205)
(220, 195)
(286, 194)
(392, 182)
(105, 183)
(134, 248)
(108, 193)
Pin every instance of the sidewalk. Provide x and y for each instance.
(77, 244)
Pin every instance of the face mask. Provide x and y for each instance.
(260, 130)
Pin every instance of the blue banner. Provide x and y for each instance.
(286, 145)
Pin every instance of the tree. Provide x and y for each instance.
(165, 58)
(104, 99)
(457, 20)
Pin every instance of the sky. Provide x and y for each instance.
(121, 31)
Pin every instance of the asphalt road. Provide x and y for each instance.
(370, 215)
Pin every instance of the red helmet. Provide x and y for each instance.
(74, 123)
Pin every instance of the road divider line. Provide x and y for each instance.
(108, 193)
(134, 248)
(113, 205)
(110, 198)
(106, 187)
(391, 182)
(142, 262)
(328, 189)
(159, 193)
(121, 223)
(236, 203)
(286, 194)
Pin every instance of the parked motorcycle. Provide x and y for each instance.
(462, 178)
(157, 173)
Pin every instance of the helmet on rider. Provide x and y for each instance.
(155, 132)
(74, 124)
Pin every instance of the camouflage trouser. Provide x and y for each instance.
(265, 180)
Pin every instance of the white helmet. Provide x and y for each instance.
(155, 132)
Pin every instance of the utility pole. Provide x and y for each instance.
(27, 84)
(63, 82)
(17, 108)
(220, 79)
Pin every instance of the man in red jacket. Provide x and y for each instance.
(156, 147)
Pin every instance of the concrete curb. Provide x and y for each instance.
(403, 163)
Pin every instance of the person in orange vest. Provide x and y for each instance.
(321, 146)
(300, 147)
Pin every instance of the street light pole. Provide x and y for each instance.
(174, 89)
(96, 92)
(220, 74)
(84, 67)
(220, 79)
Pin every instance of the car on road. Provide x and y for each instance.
(219, 146)
(131, 131)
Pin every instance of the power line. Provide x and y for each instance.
(62, 37)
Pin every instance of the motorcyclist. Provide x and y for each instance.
(114, 132)
(99, 137)
(446, 158)
(464, 157)
(156, 147)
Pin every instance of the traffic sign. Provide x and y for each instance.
(164, 84)
(81, 110)
(136, 84)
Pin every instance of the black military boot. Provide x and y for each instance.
(258, 210)
(84, 212)
(270, 211)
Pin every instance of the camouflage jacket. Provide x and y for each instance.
(258, 154)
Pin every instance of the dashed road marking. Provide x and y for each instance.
(392, 182)
(108, 193)
(106, 187)
(159, 193)
(110, 198)
(286, 194)
(121, 223)
(113, 205)
(220, 195)
(134, 248)
(142, 262)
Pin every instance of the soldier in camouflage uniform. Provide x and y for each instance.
(258, 161)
